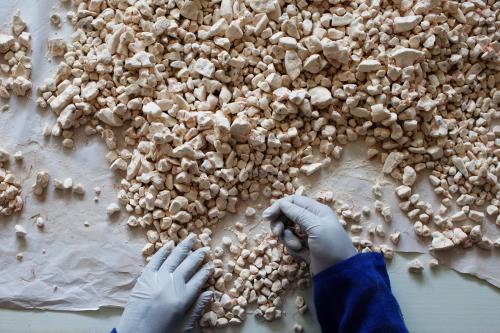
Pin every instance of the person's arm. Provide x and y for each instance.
(352, 291)
(355, 296)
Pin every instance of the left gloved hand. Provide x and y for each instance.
(166, 297)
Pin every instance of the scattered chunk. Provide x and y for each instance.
(20, 231)
(112, 209)
(415, 266)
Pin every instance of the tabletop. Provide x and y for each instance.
(438, 300)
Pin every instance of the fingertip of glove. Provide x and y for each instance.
(269, 212)
(209, 267)
(277, 228)
(266, 214)
(170, 245)
(202, 252)
(187, 243)
(291, 240)
(208, 295)
(190, 238)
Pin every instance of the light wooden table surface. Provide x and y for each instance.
(435, 301)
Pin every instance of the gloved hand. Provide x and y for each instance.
(326, 238)
(166, 297)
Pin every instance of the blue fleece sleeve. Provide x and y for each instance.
(355, 296)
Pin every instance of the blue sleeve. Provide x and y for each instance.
(355, 296)
(114, 330)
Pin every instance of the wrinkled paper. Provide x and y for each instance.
(68, 266)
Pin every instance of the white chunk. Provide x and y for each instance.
(405, 57)
(440, 242)
(433, 263)
(409, 175)
(310, 169)
(369, 65)
(406, 23)
(415, 266)
(112, 209)
(4, 155)
(204, 67)
(68, 183)
(40, 222)
(320, 97)
(20, 231)
(392, 162)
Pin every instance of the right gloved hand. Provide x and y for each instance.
(327, 240)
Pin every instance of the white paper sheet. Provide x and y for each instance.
(84, 268)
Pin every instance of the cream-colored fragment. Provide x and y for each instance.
(41, 183)
(18, 25)
(433, 263)
(293, 64)
(395, 237)
(263, 6)
(40, 222)
(392, 161)
(335, 51)
(321, 97)
(403, 191)
(20, 231)
(405, 57)
(369, 65)
(406, 23)
(63, 99)
(204, 67)
(6, 42)
(107, 116)
(4, 155)
(440, 242)
(338, 21)
(415, 266)
(310, 169)
(56, 47)
(409, 175)
(112, 209)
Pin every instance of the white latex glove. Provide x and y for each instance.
(166, 297)
(326, 238)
